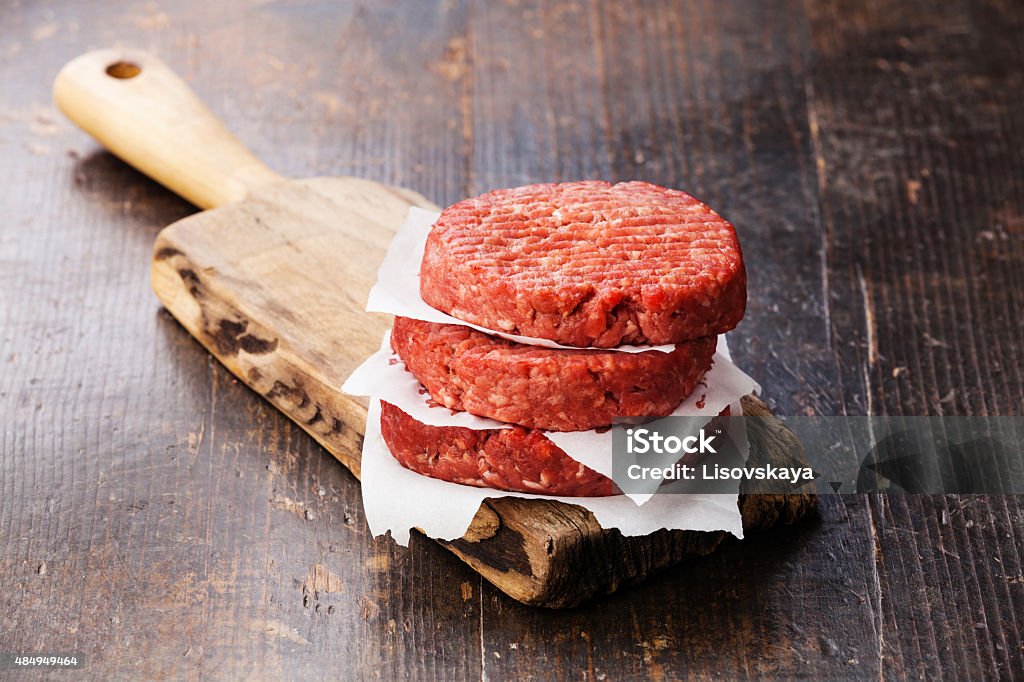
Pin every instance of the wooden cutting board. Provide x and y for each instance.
(272, 279)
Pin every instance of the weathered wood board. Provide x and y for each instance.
(273, 282)
(282, 309)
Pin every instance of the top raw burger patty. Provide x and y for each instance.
(587, 264)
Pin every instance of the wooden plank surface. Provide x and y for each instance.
(870, 155)
(921, 192)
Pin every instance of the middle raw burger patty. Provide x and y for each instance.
(543, 388)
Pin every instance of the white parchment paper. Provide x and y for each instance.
(397, 290)
(397, 500)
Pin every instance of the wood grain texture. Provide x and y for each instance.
(920, 181)
(142, 112)
(137, 470)
(276, 287)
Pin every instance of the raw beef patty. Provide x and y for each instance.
(540, 388)
(516, 459)
(587, 264)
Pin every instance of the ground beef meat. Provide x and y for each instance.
(516, 459)
(587, 264)
(541, 388)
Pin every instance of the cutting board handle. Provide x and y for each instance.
(142, 112)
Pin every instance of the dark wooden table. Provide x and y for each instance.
(159, 518)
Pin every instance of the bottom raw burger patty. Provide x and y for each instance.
(516, 459)
(543, 388)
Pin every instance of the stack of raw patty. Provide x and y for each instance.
(584, 264)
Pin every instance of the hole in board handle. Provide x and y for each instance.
(123, 70)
